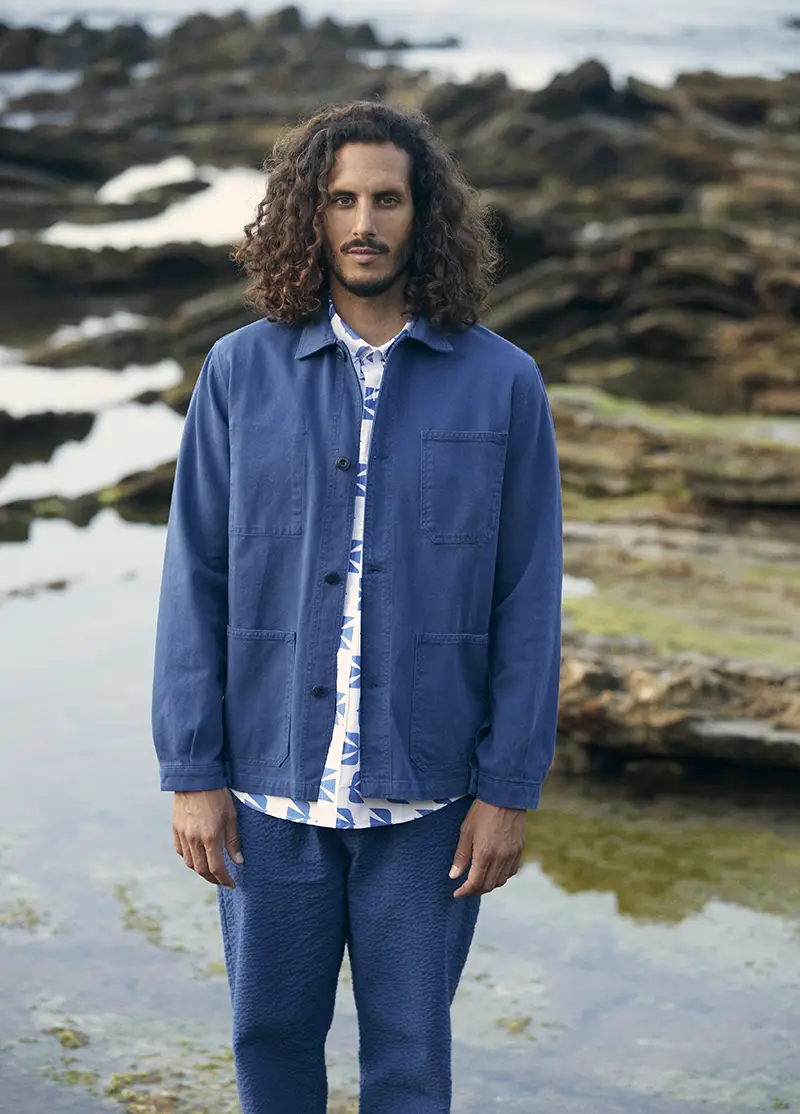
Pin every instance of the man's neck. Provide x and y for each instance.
(375, 320)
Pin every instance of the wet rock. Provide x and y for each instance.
(456, 109)
(687, 707)
(106, 73)
(641, 100)
(741, 100)
(201, 321)
(587, 88)
(140, 497)
(115, 351)
(40, 267)
(609, 447)
(73, 48)
(67, 156)
(35, 437)
(19, 48)
(283, 22)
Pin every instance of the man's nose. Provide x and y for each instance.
(364, 226)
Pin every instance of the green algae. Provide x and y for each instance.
(69, 1036)
(670, 634)
(147, 920)
(515, 1026)
(22, 916)
(752, 429)
(661, 861)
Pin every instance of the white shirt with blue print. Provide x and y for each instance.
(340, 804)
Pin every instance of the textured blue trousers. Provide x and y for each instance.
(304, 893)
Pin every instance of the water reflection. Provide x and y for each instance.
(646, 960)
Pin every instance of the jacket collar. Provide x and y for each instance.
(318, 334)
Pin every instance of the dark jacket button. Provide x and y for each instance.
(340, 354)
(343, 462)
(318, 690)
(332, 578)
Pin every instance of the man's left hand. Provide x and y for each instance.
(494, 839)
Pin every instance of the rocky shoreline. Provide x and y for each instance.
(651, 239)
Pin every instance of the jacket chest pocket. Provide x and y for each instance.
(268, 479)
(461, 482)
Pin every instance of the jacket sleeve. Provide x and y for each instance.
(513, 758)
(190, 651)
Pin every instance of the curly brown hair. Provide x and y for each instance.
(454, 255)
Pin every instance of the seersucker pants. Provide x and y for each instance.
(301, 895)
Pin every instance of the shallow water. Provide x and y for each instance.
(646, 958)
(124, 439)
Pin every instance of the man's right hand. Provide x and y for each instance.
(202, 823)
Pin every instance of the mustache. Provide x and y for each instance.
(370, 245)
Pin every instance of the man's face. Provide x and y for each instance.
(369, 218)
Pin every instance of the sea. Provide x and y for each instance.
(530, 40)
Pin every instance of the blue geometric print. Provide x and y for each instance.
(340, 802)
(347, 632)
(370, 403)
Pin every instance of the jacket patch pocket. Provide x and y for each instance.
(461, 481)
(450, 699)
(258, 694)
(268, 479)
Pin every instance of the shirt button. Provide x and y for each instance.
(343, 462)
(332, 578)
(318, 690)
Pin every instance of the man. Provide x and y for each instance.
(358, 648)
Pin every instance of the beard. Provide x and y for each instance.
(370, 287)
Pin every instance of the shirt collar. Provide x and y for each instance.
(359, 348)
(319, 334)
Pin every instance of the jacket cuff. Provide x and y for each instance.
(503, 793)
(183, 777)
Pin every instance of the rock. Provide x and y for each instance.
(641, 100)
(65, 155)
(671, 334)
(759, 365)
(456, 109)
(690, 707)
(37, 266)
(141, 497)
(201, 321)
(611, 447)
(114, 351)
(283, 22)
(587, 88)
(590, 150)
(19, 48)
(35, 437)
(106, 73)
(741, 100)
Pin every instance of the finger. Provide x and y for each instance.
(495, 871)
(475, 880)
(516, 865)
(463, 853)
(176, 839)
(201, 866)
(217, 868)
(186, 852)
(232, 842)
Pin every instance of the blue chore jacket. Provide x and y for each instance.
(461, 583)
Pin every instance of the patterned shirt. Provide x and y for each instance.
(340, 804)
